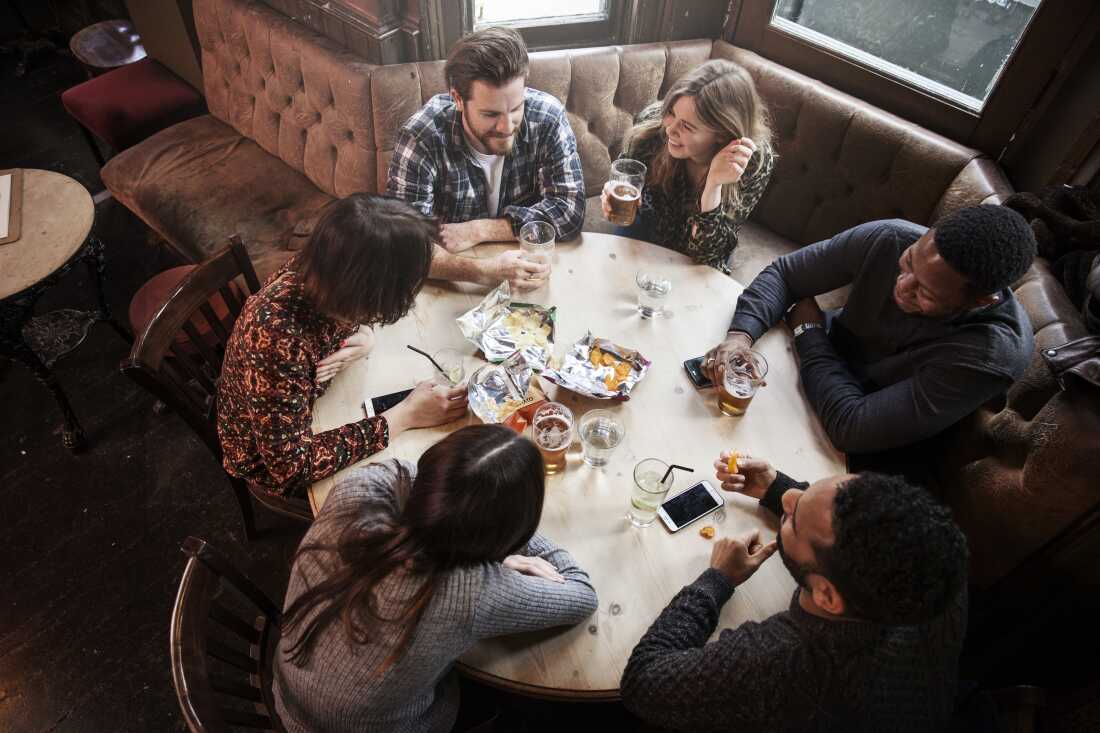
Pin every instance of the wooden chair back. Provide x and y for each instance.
(222, 654)
(184, 373)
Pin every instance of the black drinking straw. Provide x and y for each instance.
(682, 468)
(433, 361)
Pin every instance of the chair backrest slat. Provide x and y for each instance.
(231, 622)
(231, 301)
(236, 689)
(185, 362)
(229, 655)
(216, 324)
(211, 361)
(184, 394)
(243, 719)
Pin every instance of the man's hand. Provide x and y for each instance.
(462, 236)
(805, 311)
(533, 566)
(714, 363)
(522, 274)
(354, 347)
(739, 557)
(753, 477)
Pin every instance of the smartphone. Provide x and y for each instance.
(689, 505)
(694, 368)
(378, 405)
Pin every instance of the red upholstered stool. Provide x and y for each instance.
(155, 293)
(126, 105)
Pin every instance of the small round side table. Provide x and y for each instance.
(106, 45)
(57, 218)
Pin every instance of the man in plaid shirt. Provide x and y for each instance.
(487, 158)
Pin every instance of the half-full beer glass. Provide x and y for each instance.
(624, 189)
(745, 372)
(552, 427)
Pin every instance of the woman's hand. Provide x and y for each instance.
(605, 200)
(429, 404)
(353, 348)
(753, 477)
(729, 164)
(533, 566)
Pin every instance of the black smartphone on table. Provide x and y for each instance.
(694, 369)
(377, 405)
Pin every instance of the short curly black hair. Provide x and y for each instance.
(991, 246)
(897, 556)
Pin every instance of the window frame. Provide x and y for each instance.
(458, 19)
(1031, 67)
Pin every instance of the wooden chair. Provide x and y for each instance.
(221, 656)
(183, 372)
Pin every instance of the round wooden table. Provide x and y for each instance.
(635, 571)
(57, 217)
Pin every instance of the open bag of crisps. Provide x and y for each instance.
(599, 368)
(499, 392)
(500, 328)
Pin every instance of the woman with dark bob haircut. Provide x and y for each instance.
(406, 568)
(362, 266)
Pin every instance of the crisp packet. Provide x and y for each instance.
(496, 391)
(500, 328)
(598, 368)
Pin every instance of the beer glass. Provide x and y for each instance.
(536, 241)
(601, 433)
(649, 491)
(745, 372)
(624, 190)
(552, 427)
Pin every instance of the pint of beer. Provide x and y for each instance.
(624, 190)
(552, 426)
(744, 373)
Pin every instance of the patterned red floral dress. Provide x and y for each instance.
(267, 389)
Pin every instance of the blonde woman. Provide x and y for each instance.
(707, 148)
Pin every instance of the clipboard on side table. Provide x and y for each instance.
(11, 204)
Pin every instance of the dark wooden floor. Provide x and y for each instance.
(89, 557)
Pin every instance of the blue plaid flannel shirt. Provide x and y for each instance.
(433, 170)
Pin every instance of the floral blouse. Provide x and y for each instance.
(677, 223)
(267, 388)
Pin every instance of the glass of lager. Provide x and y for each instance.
(552, 427)
(624, 189)
(536, 241)
(745, 372)
(649, 491)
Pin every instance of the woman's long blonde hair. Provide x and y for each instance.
(726, 100)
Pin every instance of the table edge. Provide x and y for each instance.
(538, 692)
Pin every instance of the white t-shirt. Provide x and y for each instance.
(493, 165)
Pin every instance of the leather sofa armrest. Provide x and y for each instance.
(981, 181)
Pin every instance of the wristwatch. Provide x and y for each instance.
(804, 327)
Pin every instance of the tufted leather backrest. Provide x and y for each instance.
(296, 94)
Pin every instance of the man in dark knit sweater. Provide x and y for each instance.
(872, 637)
(930, 331)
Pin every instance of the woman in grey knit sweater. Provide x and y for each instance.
(407, 567)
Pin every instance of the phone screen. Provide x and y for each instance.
(385, 402)
(694, 370)
(690, 504)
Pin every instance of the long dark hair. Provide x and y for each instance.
(367, 258)
(477, 497)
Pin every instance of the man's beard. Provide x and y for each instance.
(798, 572)
(489, 140)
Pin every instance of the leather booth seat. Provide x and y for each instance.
(296, 121)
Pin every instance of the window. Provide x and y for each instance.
(955, 50)
(972, 70)
(510, 12)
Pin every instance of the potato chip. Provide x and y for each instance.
(595, 356)
(731, 466)
(707, 533)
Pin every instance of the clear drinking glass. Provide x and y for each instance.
(453, 363)
(624, 190)
(745, 372)
(601, 433)
(649, 491)
(536, 241)
(653, 290)
(552, 427)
